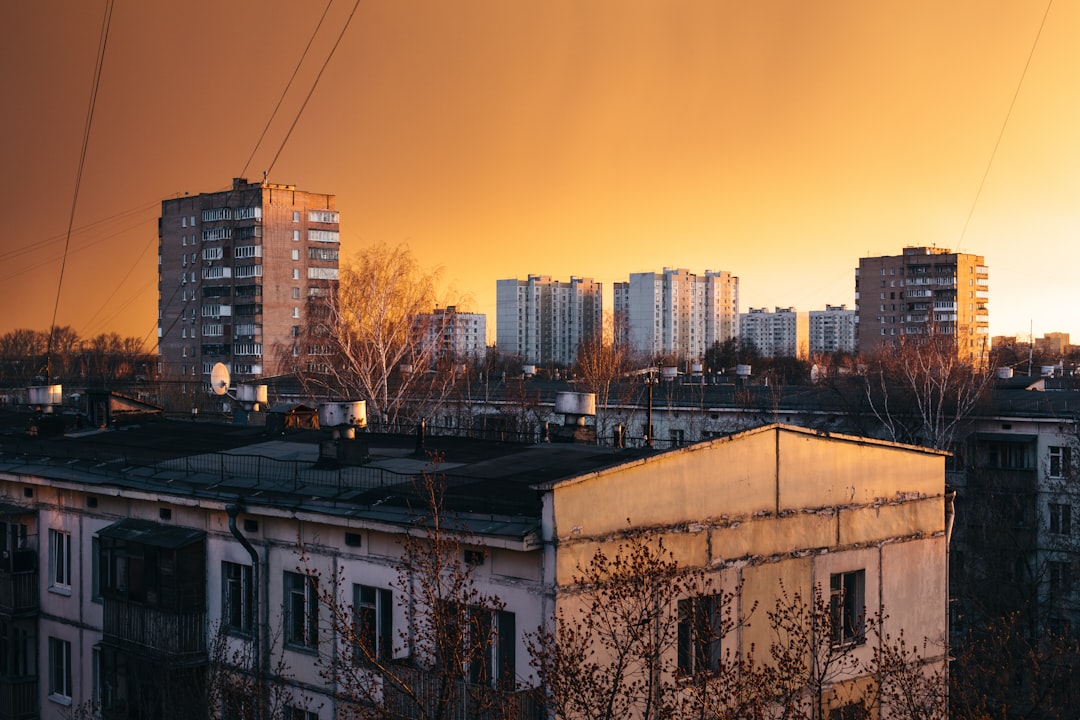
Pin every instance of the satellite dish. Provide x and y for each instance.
(219, 379)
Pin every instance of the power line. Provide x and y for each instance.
(100, 63)
(314, 85)
(288, 85)
(1001, 133)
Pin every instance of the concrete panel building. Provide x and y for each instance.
(544, 321)
(453, 335)
(676, 312)
(143, 556)
(237, 270)
(833, 330)
(923, 292)
(784, 333)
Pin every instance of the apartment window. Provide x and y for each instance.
(374, 614)
(301, 611)
(1060, 458)
(296, 235)
(296, 274)
(847, 604)
(295, 254)
(296, 217)
(237, 601)
(296, 293)
(296, 312)
(1060, 576)
(295, 713)
(699, 635)
(59, 670)
(17, 649)
(488, 640)
(1060, 519)
(60, 560)
(851, 711)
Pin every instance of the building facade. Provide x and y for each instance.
(676, 312)
(134, 579)
(545, 321)
(833, 330)
(925, 291)
(238, 271)
(784, 333)
(448, 335)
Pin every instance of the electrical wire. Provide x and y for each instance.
(314, 85)
(100, 63)
(281, 99)
(1001, 133)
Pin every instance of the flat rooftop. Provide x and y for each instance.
(488, 484)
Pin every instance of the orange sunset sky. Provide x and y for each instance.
(778, 140)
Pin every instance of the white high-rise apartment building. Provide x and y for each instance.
(833, 330)
(676, 312)
(453, 335)
(544, 321)
(784, 333)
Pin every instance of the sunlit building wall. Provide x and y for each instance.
(453, 335)
(544, 321)
(833, 330)
(924, 291)
(676, 312)
(784, 333)
(236, 271)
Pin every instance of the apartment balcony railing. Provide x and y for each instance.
(179, 635)
(18, 592)
(18, 698)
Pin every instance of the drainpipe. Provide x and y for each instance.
(260, 678)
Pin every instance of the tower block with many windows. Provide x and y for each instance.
(236, 271)
(924, 291)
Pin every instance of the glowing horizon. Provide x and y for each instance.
(779, 142)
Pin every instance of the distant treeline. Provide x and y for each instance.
(31, 357)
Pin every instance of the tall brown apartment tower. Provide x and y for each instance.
(236, 271)
(925, 290)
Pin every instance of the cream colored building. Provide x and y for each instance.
(763, 506)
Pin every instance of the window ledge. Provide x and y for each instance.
(60, 590)
(60, 699)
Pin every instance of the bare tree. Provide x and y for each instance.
(921, 392)
(372, 335)
(444, 660)
(639, 635)
(602, 365)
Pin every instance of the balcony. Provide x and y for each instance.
(179, 635)
(19, 592)
(18, 698)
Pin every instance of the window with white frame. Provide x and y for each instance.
(1060, 519)
(301, 611)
(295, 713)
(847, 603)
(1060, 458)
(488, 643)
(237, 597)
(374, 613)
(60, 560)
(323, 216)
(59, 670)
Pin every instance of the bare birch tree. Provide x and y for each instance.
(373, 338)
(920, 390)
(444, 662)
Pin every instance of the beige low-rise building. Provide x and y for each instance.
(134, 550)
